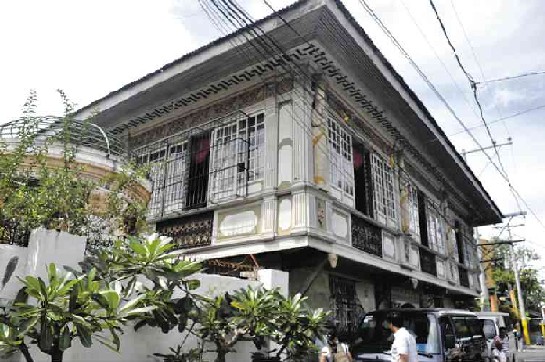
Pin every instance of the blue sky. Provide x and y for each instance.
(89, 48)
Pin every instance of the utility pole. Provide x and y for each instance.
(485, 297)
(521, 306)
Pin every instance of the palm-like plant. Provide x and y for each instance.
(66, 307)
(146, 267)
(297, 327)
(95, 304)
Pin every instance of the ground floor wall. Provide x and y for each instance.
(349, 294)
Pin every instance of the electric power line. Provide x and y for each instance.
(529, 74)
(474, 53)
(500, 119)
(447, 105)
(472, 84)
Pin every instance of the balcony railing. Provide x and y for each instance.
(428, 262)
(51, 129)
(464, 276)
(366, 237)
(190, 231)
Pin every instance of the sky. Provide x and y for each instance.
(90, 48)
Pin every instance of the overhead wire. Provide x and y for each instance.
(440, 212)
(423, 34)
(474, 54)
(447, 105)
(433, 205)
(500, 119)
(484, 82)
(472, 84)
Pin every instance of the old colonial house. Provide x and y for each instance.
(312, 156)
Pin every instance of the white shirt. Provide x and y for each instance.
(404, 343)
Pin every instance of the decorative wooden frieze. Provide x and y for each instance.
(216, 110)
(190, 231)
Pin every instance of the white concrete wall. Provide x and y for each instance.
(140, 346)
(17, 257)
(44, 247)
(47, 246)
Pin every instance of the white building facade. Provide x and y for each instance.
(317, 160)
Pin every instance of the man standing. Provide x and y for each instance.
(404, 346)
(501, 345)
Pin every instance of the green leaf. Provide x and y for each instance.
(84, 334)
(115, 339)
(193, 284)
(27, 324)
(132, 303)
(32, 283)
(65, 340)
(138, 248)
(143, 310)
(52, 271)
(112, 298)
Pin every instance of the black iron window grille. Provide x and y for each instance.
(366, 237)
(345, 305)
(212, 163)
(464, 276)
(428, 263)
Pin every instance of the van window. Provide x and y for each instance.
(461, 328)
(376, 338)
(489, 328)
(467, 327)
(475, 326)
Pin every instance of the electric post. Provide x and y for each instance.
(522, 309)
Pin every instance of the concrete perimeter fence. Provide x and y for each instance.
(63, 249)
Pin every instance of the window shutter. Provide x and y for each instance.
(459, 242)
(422, 218)
(369, 192)
(362, 179)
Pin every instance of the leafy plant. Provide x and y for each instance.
(134, 281)
(261, 315)
(66, 307)
(42, 184)
(146, 267)
(296, 327)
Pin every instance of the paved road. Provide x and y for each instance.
(532, 354)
